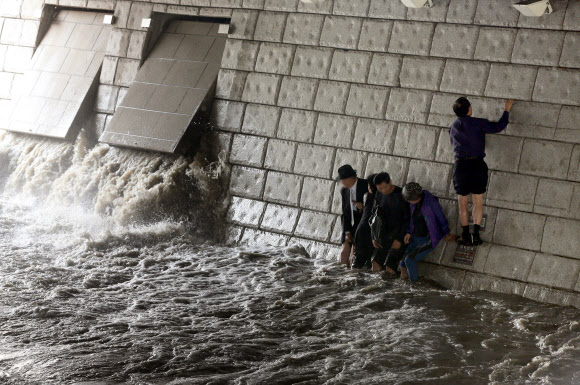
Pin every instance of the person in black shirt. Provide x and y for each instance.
(363, 241)
(393, 213)
(467, 135)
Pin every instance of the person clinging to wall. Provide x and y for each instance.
(352, 193)
(427, 227)
(363, 240)
(388, 225)
(467, 136)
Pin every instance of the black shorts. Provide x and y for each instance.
(470, 176)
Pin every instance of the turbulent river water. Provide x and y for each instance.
(111, 273)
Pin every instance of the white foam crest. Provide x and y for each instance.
(521, 324)
(86, 184)
(33, 164)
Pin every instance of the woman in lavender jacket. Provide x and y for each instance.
(427, 227)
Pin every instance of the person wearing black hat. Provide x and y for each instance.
(352, 193)
(388, 225)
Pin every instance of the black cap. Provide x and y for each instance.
(345, 172)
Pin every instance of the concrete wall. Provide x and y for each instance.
(305, 88)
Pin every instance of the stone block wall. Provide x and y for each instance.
(371, 83)
(19, 26)
(305, 88)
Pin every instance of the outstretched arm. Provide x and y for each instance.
(501, 124)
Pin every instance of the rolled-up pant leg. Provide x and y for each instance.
(387, 256)
(380, 256)
(394, 256)
(419, 248)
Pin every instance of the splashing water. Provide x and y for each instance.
(111, 273)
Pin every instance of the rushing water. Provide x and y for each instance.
(110, 274)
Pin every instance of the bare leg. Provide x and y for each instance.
(477, 208)
(345, 253)
(391, 271)
(376, 266)
(464, 210)
(404, 273)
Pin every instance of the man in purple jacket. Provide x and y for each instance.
(467, 136)
(427, 227)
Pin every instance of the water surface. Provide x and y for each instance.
(102, 281)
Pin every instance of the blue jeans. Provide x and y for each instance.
(417, 249)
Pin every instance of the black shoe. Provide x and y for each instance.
(465, 240)
(476, 240)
